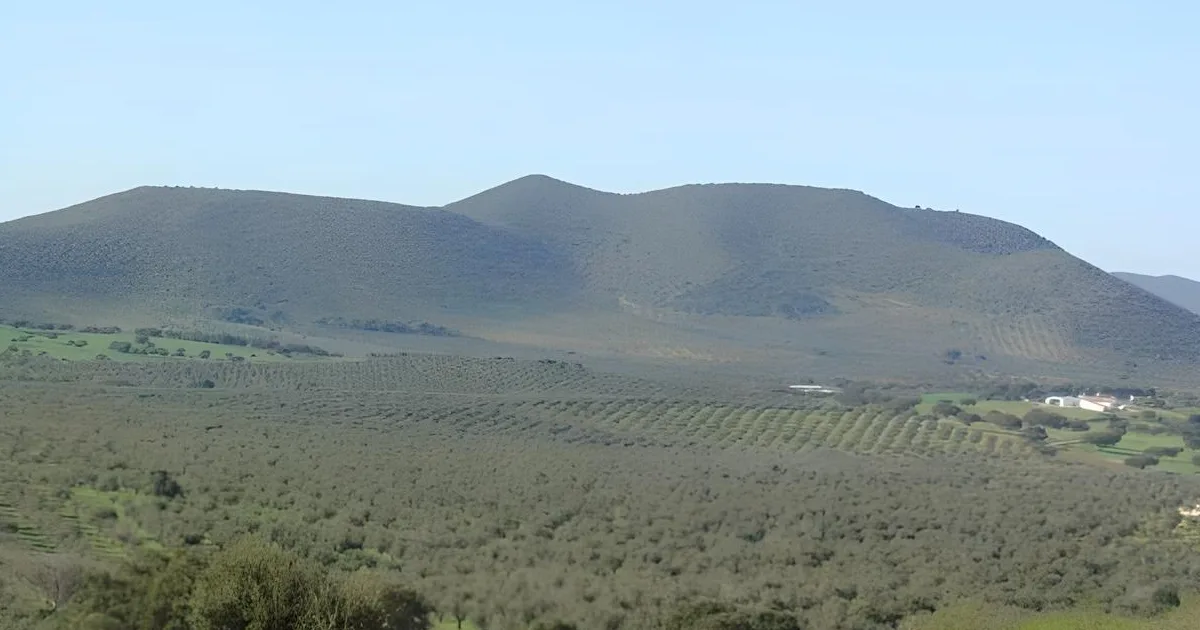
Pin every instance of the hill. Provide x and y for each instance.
(275, 256)
(1180, 291)
(848, 273)
(808, 280)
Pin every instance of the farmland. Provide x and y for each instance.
(525, 492)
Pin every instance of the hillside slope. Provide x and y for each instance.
(1180, 291)
(299, 256)
(803, 279)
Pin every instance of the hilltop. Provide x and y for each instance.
(1180, 291)
(805, 279)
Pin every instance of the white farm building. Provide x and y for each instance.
(1063, 401)
(1098, 403)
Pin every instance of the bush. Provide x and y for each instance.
(255, 585)
(946, 410)
(1141, 461)
(371, 600)
(120, 346)
(1163, 451)
(204, 354)
(165, 486)
(1003, 420)
(1041, 417)
(968, 402)
(1106, 438)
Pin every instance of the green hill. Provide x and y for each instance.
(286, 257)
(803, 279)
(849, 273)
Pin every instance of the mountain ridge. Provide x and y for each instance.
(750, 272)
(1178, 290)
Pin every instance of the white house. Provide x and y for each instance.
(1062, 401)
(812, 389)
(1098, 403)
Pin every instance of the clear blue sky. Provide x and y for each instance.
(1077, 119)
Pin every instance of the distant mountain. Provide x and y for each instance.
(1174, 289)
(807, 279)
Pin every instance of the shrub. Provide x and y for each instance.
(1044, 418)
(946, 410)
(1141, 461)
(371, 600)
(968, 402)
(255, 585)
(204, 354)
(120, 346)
(1003, 420)
(1163, 451)
(165, 486)
(1106, 438)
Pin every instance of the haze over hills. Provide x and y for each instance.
(1174, 289)
(813, 279)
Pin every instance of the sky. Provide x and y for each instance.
(1076, 119)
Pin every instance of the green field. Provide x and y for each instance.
(1133, 443)
(1015, 407)
(78, 346)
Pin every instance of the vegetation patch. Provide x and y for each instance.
(396, 327)
(147, 343)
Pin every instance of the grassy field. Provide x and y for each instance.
(1133, 443)
(78, 346)
(1015, 407)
